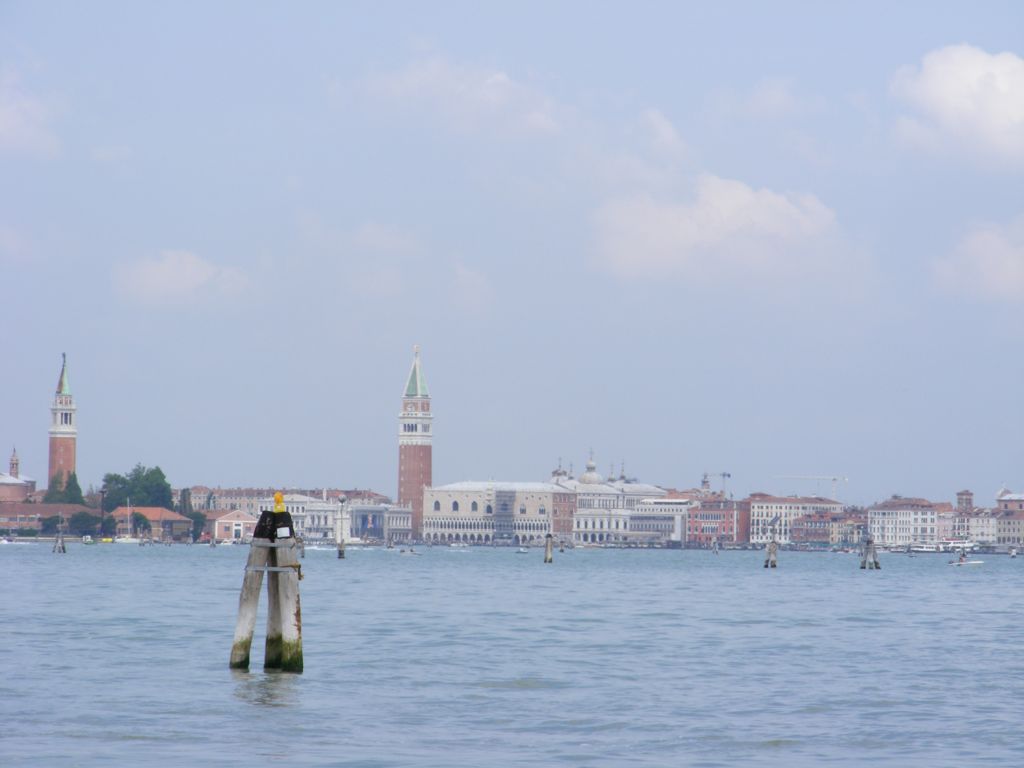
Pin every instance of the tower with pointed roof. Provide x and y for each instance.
(15, 467)
(415, 435)
(63, 427)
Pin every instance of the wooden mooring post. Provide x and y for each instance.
(341, 549)
(869, 557)
(272, 552)
(549, 549)
(771, 554)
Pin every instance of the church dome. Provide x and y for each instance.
(591, 476)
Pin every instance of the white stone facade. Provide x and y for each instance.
(765, 508)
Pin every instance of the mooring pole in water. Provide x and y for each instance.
(549, 547)
(772, 553)
(869, 559)
(341, 549)
(59, 546)
(272, 552)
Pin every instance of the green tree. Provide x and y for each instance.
(82, 523)
(116, 487)
(108, 527)
(140, 523)
(198, 523)
(73, 491)
(55, 491)
(143, 486)
(48, 525)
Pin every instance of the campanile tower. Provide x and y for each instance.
(415, 469)
(63, 427)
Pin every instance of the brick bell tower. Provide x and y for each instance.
(415, 469)
(63, 427)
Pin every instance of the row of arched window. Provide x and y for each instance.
(474, 507)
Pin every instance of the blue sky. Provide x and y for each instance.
(772, 241)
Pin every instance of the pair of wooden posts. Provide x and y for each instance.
(272, 552)
(869, 557)
(771, 554)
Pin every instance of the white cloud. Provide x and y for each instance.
(24, 120)
(471, 98)
(662, 133)
(988, 264)
(966, 98)
(772, 97)
(177, 277)
(730, 230)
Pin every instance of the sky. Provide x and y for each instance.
(775, 240)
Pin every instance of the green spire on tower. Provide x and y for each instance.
(417, 385)
(63, 383)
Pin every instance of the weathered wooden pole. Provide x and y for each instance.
(248, 603)
(869, 558)
(272, 552)
(549, 548)
(772, 552)
(341, 549)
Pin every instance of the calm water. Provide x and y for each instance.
(117, 655)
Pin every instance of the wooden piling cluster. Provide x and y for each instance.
(273, 551)
(771, 554)
(549, 548)
(869, 555)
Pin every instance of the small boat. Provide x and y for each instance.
(966, 562)
(1013, 551)
(87, 539)
(127, 540)
(522, 551)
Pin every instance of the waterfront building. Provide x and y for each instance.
(63, 428)
(252, 500)
(765, 508)
(27, 515)
(604, 508)
(13, 485)
(415, 441)
(370, 519)
(1010, 529)
(903, 522)
(234, 525)
(1007, 501)
(660, 522)
(165, 525)
(490, 512)
(813, 530)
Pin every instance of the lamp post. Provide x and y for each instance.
(103, 494)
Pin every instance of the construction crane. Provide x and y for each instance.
(706, 484)
(834, 479)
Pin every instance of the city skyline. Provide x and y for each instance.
(416, 411)
(769, 243)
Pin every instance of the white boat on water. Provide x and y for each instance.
(127, 540)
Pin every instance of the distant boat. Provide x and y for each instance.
(522, 551)
(966, 562)
(1013, 551)
(127, 540)
(87, 539)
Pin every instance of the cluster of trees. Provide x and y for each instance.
(143, 486)
(61, 492)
